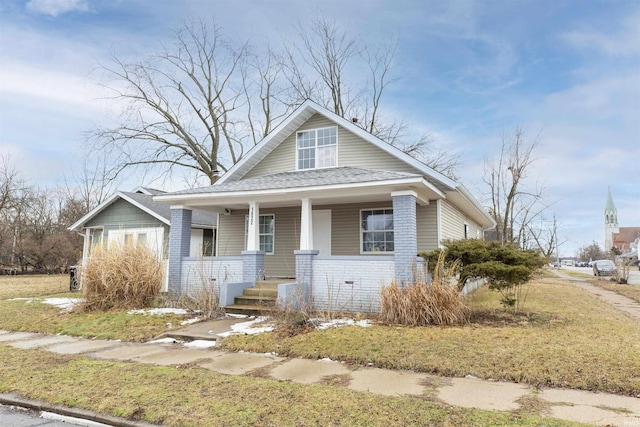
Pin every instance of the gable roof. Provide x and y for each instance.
(301, 115)
(142, 198)
(454, 191)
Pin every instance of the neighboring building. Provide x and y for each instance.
(328, 209)
(610, 222)
(624, 239)
(136, 217)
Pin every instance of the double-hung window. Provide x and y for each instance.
(266, 231)
(376, 229)
(317, 148)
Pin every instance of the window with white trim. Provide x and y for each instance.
(266, 231)
(317, 148)
(376, 230)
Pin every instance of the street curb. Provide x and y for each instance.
(37, 405)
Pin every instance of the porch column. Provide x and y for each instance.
(405, 238)
(179, 244)
(306, 226)
(253, 257)
(253, 228)
(304, 271)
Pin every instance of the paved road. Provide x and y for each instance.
(634, 273)
(15, 417)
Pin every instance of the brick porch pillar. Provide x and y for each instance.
(304, 270)
(252, 266)
(405, 237)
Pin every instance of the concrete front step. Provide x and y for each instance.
(248, 309)
(266, 293)
(255, 300)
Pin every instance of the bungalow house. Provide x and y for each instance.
(136, 217)
(329, 211)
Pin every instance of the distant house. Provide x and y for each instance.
(327, 209)
(136, 217)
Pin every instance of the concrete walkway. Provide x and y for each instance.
(592, 408)
(618, 301)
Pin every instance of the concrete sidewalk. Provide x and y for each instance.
(620, 302)
(593, 408)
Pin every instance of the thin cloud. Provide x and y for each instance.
(622, 43)
(57, 7)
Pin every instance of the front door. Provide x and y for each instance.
(321, 224)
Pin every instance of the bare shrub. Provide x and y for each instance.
(122, 277)
(421, 303)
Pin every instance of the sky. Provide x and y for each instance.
(567, 72)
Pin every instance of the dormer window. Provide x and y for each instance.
(317, 148)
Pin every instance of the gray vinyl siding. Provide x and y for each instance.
(427, 224)
(345, 226)
(122, 215)
(352, 151)
(231, 239)
(453, 223)
(345, 233)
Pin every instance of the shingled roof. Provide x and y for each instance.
(142, 198)
(301, 179)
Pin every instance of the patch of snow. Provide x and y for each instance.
(63, 303)
(336, 323)
(327, 360)
(237, 316)
(190, 321)
(200, 344)
(247, 328)
(165, 341)
(20, 299)
(158, 311)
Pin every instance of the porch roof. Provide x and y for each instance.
(330, 185)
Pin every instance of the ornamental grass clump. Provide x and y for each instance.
(121, 277)
(421, 303)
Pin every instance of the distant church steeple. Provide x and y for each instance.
(610, 222)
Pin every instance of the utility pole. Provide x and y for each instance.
(555, 236)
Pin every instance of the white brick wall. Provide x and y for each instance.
(350, 283)
(198, 272)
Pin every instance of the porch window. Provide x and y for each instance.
(317, 148)
(376, 230)
(266, 231)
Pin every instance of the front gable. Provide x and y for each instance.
(122, 214)
(353, 151)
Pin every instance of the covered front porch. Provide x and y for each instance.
(331, 247)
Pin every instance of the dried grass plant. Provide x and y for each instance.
(421, 303)
(122, 277)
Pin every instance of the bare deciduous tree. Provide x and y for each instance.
(181, 103)
(201, 101)
(10, 182)
(324, 68)
(515, 202)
